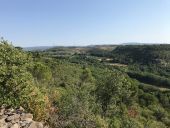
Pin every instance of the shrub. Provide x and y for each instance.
(115, 89)
(41, 72)
(17, 86)
(150, 78)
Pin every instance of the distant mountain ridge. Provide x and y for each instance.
(42, 48)
(37, 48)
(137, 43)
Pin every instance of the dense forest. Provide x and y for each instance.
(89, 87)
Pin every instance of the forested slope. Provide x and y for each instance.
(79, 92)
(142, 54)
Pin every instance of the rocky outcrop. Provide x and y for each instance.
(17, 118)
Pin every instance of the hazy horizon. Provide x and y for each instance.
(87, 22)
(65, 45)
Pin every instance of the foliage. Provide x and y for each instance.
(41, 72)
(115, 89)
(145, 54)
(150, 78)
(16, 83)
(77, 104)
(74, 88)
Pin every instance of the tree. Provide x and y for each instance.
(77, 104)
(16, 83)
(114, 89)
(41, 72)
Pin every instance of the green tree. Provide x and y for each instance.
(41, 72)
(114, 89)
(16, 83)
(77, 104)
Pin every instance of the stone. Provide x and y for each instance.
(25, 123)
(9, 111)
(13, 117)
(20, 110)
(36, 125)
(2, 111)
(3, 116)
(27, 117)
(16, 118)
(2, 107)
(2, 122)
(10, 124)
(15, 126)
(4, 126)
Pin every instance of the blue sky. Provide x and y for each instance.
(84, 22)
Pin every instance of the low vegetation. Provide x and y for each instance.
(80, 91)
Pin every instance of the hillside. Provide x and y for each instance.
(83, 89)
(142, 54)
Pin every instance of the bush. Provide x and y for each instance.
(41, 72)
(17, 86)
(77, 104)
(115, 89)
(150, 78)
(147, 99)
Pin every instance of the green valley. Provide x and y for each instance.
(107, 86)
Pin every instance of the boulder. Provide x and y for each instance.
(2, 122)
(26, 117)
(36, 125)
(17, 118)
(15, 126)
(14, 117)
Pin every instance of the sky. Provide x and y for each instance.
(84, 22)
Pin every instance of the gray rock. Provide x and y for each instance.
(3, 116)
(27, 117)
(4, 126)
(20, 110)
(36, 125)
(2, 107)
(2, 122)
(15, 125)
(12, 117)
(10, 124)
(2, 111)
(10, 110)
(24, 123)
